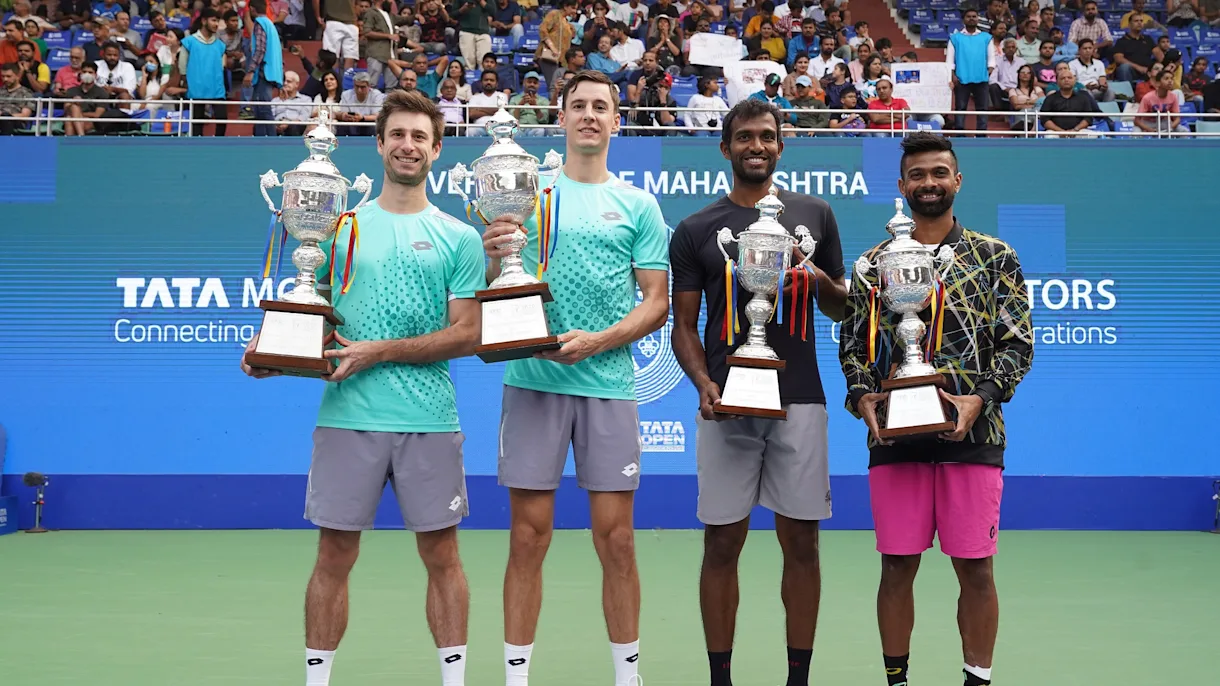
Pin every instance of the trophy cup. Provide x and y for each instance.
(293, 333)
(506, 184)
(907, 279)
(763, 257)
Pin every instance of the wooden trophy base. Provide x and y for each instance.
(914, 408)
(514, 323)
(292, 339)
(752, 389)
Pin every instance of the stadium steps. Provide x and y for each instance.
(882, 23)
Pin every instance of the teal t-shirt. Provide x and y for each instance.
(605, 231)
(407, 269)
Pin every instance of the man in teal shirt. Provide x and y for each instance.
(389, 412)
(610, 238)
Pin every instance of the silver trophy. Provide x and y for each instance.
(315, 196)
(506, 184)
(907, 272)
(763, 258)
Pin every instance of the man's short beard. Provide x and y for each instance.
(931, 210)
(740, 171)
(407, 179)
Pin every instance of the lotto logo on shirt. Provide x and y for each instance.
(662, 437)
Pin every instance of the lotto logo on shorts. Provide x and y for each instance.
(662, 437)
(455, 503)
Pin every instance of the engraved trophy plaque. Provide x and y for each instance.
(763, 258)
(506, 183)
(294, 329)
(907, 275)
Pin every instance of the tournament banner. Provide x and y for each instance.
(128, 304)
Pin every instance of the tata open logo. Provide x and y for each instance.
(662, 437)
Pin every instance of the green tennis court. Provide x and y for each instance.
(204, 607)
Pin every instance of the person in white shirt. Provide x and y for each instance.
(634, 14)
(485, 103)
(360, 103)
(291, 106)
(711, 108)
(1091, 72)
(1004, 76)
(116, 76)
(822, 66)
(626, 50)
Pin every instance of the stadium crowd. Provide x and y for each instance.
(132, 60)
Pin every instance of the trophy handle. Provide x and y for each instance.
(268, 180)
(362, 184)
(724, 237)
(457, 180)
(863, 267)
(945, 257)
(806, 243)
(551, 162)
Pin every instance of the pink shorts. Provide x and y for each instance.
(913, 501)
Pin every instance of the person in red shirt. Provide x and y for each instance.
(14, 33)
(885, 111)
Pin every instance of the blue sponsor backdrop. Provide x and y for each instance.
(131, 286)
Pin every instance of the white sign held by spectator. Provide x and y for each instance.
(924, 85)
(714, 49)
(744, 78)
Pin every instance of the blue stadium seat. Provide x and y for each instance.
(57, 39)
(523, 59)
(943, 5)
(141, 24)
(921, 17)
(57, 59)
(1210, 36)
(935, 32)
(1154, 6)
(911, 5)
(1210, 51)
(718, 27)
(1123, 6)
(684, 88)
(82, 37)
(529, 43)
(502, 45)
(951, 17)
(924, 125)
(472, 75)
(1182, 37)
(183, 23)
(1115, 21)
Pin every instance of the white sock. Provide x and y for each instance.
(980, 672)
(317, 666)
(453, 666)
(626, 662)
(517, 664)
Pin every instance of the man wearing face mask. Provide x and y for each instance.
(93, 104)
(485, 103)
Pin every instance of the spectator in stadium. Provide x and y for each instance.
(201, 60)
(1046, 22)
(1137, 10)
(861, 37)
(266, 73)
(457, 73)
(1023, 99)
(664, 43)
(291, 105)
(90, 101)
(22, 13)
(1067, 110)
(689, 20)
(800, 68)
(451, 108)
(169, 50)
(886, 112)
(770, 93)
(625, 49)
(576, 59)
(971, 61)
(885, 48)
(655, 93)
(850, 122)
(789, 18)
(33, 33)
(1044, 68)
(158, 36)
(999, 32)
(485, 103)
(529, 106)
(359, 104)
(434, 26)
(1133, 53)
(997, 12)
(32, 74)
(704, 26)
(340, 34)
(822, 65)
(407, 81)
(1172, 60)
(873, 73)
(1210, 12)
(427, 78)
(69, 76)
(506, 74)
(380, 32)
(506, 21)
(650, 70)
(806, 42)
(633, 15)
(13, 34)
(1064, 51)
(1092, 27)
(16, 101)
(767, 39)
(857, 66)
(152, 83)
(596, 27)
(1146, 86)
(107, 9)
(1194, 81)
(833, 28)
(1004, 77)
(835, 86)
(909, 57)
(1029, 45)
(555, 35)
(1211, 97)
(474, 32)
(128, 38)
(1164, 104)
(73, 14)
(707, 109)
(116, 76)
(326, 65)
(812, 112)
(1091, 72)
(664, 8)
(1162, 47)
(101, 36)
(1182, 13)
(731, 32)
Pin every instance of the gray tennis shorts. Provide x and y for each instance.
(536, 429)
(350, 469)
(780, 465)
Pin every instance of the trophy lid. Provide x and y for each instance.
(900, 226)
(320, 142)
(769, 210)
(502, 126)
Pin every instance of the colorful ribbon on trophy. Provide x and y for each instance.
(548, 227)
(937, 320)
(353, 245)
(874, 330)
(470, 207)
(269, 251)
(731, 323)
(777, 309)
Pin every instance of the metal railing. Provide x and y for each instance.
(901, 122)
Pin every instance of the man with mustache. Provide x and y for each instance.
(389, 412)
(748, 461)
(611, 241)
(947, 486)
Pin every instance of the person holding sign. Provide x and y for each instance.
(980, 339)
(747, 461)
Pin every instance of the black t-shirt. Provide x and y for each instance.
(1137, 50)
(697, 265)
(1077, 102)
